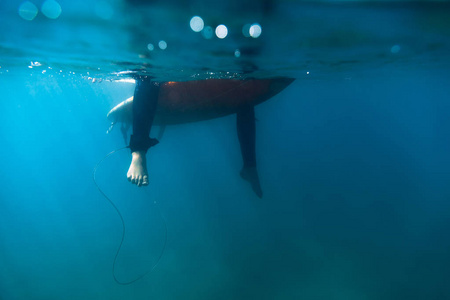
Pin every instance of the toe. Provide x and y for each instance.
(145, 180)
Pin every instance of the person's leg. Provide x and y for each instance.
(246, 130)
(145, 101)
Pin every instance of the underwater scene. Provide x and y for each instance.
(304, 150)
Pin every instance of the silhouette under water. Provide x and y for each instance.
(353, 155)
(181, 102)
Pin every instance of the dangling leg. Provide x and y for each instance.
(144, 107)
(245, 122)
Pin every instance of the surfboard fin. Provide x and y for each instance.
(111, 127)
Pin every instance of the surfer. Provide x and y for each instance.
(166, 103)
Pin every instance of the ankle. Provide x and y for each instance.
(138, 155)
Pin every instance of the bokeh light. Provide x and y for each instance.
(150, 47)
(51, 9)
(221, 31)
(237, 53)
(162, 45)
(28, 11)
(255, 30)
(197, 24)
(395, 49)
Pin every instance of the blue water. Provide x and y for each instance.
(354, 156)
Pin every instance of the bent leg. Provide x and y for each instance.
(246, 130)
(144, 108)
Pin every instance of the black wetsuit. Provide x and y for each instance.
(245, 124)
(145, 101)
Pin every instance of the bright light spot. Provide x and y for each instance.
(197, 24)
(35, 64)
(150, 47)
(207, 32)
(162, 45)
(51, 9)
(255, 30)
(104, 10)
(28, 11)
(221, 31)
(237, 53)
(307, 73)
(395, 49)
(127, 80)
(246, 30)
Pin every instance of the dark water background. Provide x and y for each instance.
(354, 156)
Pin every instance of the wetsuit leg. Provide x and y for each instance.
(246, 130)
(145, 101)
(245, 122)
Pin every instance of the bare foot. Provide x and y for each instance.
(137, 173)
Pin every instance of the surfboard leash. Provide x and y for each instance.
(94, 171)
